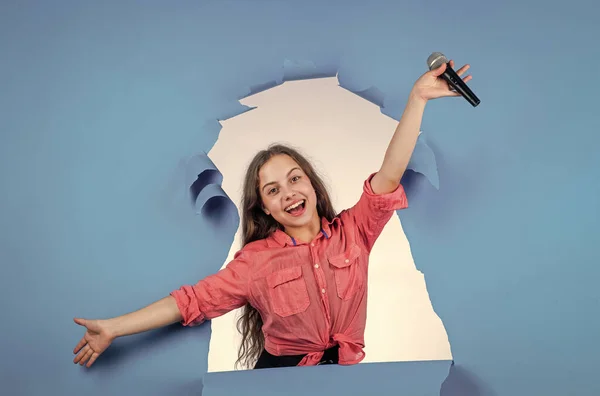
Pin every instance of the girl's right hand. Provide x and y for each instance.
(96, 339)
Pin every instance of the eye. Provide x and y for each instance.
(295, 178)
(272, 191)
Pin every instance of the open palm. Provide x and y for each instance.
(431, 86)
(95, 341)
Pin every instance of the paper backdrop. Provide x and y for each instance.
(102, 105)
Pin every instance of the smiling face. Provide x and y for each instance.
(287, 194)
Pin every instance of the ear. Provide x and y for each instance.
(267, 212)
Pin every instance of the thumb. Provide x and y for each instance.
(439, 71)
(80, 321)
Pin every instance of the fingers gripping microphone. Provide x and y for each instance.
(436, 60)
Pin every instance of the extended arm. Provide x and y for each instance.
(158, 314)
(213, 296)
(100, 333)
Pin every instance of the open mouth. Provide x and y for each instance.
(297, 208)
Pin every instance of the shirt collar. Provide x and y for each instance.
(280, 239)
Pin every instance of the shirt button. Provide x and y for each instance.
(316, 265)
(323, 291)
(346, 261)
(312, 244)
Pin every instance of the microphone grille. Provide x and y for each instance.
(436, 60)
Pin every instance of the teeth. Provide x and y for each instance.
(294, 206)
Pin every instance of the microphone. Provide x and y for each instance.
(436, 60)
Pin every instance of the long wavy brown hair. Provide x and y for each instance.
(258, 225)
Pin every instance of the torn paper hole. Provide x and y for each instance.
(345, 136)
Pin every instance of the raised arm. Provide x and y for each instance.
(428, 86)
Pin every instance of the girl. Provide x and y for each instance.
(301, 274)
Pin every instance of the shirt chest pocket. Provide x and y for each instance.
(349, 275)
(288, 292)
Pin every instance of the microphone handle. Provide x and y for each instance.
(457, 83)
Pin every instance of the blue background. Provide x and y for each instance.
(100, 103)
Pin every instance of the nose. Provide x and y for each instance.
(289, 193)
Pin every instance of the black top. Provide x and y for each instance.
(266, 360)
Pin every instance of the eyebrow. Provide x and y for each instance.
(269, 183)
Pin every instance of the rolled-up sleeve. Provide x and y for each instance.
(216, 294)
(372, 211)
